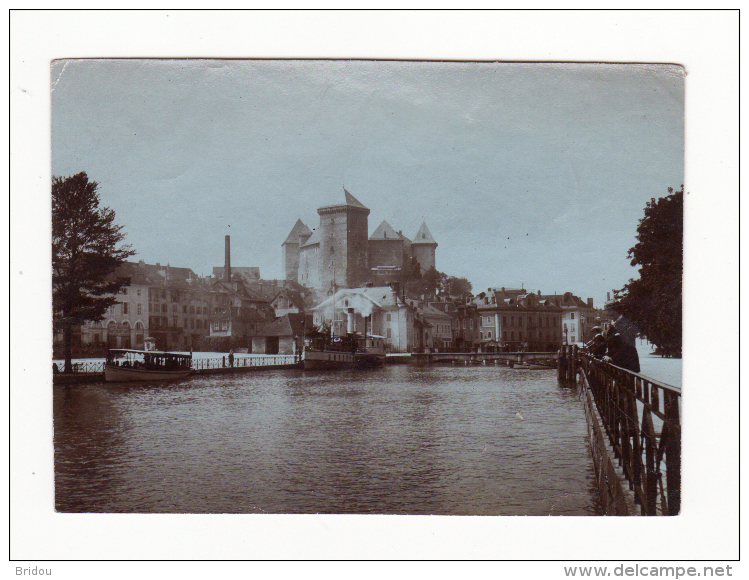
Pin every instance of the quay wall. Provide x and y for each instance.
(613, 490)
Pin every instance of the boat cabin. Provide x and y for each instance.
(148, 360)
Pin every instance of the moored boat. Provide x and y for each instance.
(126, 365)
(349, 351)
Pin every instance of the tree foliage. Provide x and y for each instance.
(654, 301)
(433, 282)
(455, 286)
(84, 255)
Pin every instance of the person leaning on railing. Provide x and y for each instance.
(619, 352)
(597, 345)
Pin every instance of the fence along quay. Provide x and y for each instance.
(631, 408)
(93, 371)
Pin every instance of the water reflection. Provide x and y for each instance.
(399, 440)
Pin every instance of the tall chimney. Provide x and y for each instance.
(227, 261)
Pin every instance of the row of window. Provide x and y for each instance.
(538, 335)
(112, 311)
(160, 322)
(544, 322)
(163, 308)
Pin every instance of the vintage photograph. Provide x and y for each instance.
(367, 287)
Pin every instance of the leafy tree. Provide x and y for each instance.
(84, 255)
(654, 301)
(431, 280)
(457, 286)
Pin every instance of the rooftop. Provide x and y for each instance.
(424, 236)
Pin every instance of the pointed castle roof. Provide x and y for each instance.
(424, 236)
(299, 229)
(351, 202)
(385, 232)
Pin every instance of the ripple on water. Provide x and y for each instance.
(401, 439)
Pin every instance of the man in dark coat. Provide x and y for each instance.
(620, 345)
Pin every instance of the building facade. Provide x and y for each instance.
(376, 310)
(518, 320)
(578, 317)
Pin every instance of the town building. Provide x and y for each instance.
(285, 335)
(237, 314)
(125, 324)
(578, 317)
(518, 320)
(166, 303)
(466, 326)
(374, 310)
(178, 307)
(436, 328)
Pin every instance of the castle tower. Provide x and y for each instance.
(343, 244)
(290, 249)
(385, 248)
(423, 248)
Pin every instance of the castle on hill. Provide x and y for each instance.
(340, 254)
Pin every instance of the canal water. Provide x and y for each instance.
(397, 440)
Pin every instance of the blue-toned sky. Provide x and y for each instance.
(524, 173)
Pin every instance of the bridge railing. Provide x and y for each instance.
(642, 419)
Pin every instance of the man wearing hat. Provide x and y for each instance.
(597, 345)
(620, 345)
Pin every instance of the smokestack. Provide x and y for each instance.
(608, 296)
(227, 260)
